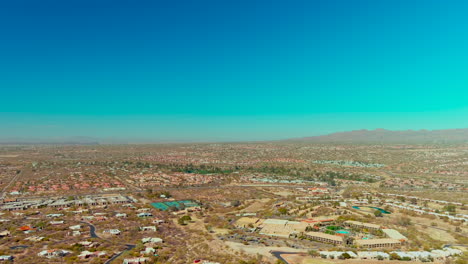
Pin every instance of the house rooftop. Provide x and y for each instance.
(363, 242)
(323, 235)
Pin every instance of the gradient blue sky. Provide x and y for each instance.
(230, 70)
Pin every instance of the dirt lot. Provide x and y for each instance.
(262, 250)
(257, 205)
(436, 232)
(304, 259)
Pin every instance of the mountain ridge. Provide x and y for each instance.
(381, 135)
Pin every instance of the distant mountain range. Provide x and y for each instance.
(52, 141)
(357, 136)
(389, 136)
(82, 140)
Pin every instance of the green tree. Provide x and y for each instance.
(450, 208)
(394, 256)
(184, 219)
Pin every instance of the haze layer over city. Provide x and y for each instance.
(233, 132)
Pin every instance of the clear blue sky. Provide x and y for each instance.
(230, 70)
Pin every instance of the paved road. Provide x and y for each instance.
(3, 193)
(129, 247)
(92, 229)
(456, 245)
(278, 254)
(460, 245)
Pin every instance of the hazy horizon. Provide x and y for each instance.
(120, 140)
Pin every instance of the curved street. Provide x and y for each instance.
(278, 254)
(92, 231)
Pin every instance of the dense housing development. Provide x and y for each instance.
(232, 203)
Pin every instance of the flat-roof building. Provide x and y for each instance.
(326, 238)
(377, 243)
(357, 224)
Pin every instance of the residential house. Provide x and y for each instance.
(112, 231)
(142, 215)
(53, 253)
(136, 261)
(148, 228)
(87, 254)
(6, 258)
(5, 233)
(151, 240)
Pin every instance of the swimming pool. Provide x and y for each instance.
(342, 232)
(381, 210)
(376, 208)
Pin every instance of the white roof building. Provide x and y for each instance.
(54, 215)
(6, 257)
(336, 254)
(148, 251)
(135, 260)
(53, 253)
(151, 240)
(148, 228)
(372, 255)
(112, 231)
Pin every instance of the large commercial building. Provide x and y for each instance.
(356, 224)
(326, 238)
(377, 243)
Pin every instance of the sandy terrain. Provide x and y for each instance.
(262, 250)
(256, 206)
(434, 232)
